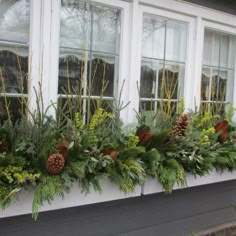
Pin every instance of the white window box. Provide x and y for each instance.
(151, 185)
(23, 204)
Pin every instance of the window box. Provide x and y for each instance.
(151, 185)
(110, 192)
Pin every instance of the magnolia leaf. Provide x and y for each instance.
(71, 145)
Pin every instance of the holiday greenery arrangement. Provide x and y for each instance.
(51, 154)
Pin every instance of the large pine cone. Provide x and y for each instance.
(181, 126)
(55, 163)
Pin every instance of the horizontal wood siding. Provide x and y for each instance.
(180, 213)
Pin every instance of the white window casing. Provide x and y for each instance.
(45, 36)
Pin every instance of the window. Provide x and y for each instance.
(217, 71)
(89, 53)
(163, 62)
(14, 37)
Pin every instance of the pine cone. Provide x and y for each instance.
(180, 126)
(55, 163)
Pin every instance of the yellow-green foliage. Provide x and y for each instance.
(133, 140)
(205, 136)
(205, 121)
(99, 117)
(78, 121)
(16, 174)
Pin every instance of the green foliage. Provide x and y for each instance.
(169, 173)
(151, 160)
(126, 174)
(101, 148)
(48, 188)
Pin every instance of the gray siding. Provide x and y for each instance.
(178, 214)
(228, 6)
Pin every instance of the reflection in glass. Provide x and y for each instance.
(71, 70)
(153, 41)
(14, 20)
(103, 74)
(16, 107)
(89, 27)
(218, 70)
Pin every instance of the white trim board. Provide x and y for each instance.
(153, 186)
(110, 192)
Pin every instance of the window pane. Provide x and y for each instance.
(211, 50)
(170, 81)
(75, 25)
(150, 108)
(14, 20)
(106, 29)
(71, 72)
(205, 84)
(176, 41)
(153, 41)
(103, 75)
(79, 19)
(16, 108)
(14, 66)
(148, 86)
(218, 77)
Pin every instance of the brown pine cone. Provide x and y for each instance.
(181, 126)
(55, 163)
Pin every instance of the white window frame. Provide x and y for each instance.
(50, 49)
(227, 30)
(199, 17)
(136, 53)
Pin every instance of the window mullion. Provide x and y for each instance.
(34, 52)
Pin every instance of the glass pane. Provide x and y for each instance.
(148, 106)
(148, 83)
(153, 40)
(14, 20)
(71, 73)
(224, 50)
(176, 41)
(106, 29)
(103, 76)
(214, 86)
(79, 18)
(14, 66)
(222, 80)
(107, 105)
(205, 84)
(211, 50)
(232, 52)
(75, 24)
(171, 78)
(16, 108)
(68, 106)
